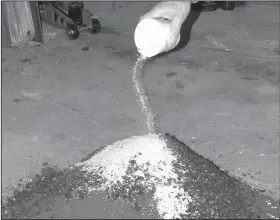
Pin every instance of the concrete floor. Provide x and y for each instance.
(219, 94)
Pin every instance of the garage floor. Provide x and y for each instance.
(219, 94)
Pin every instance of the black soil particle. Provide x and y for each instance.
(171, 74)
(25, 60)
(215, 194)
(86, 48)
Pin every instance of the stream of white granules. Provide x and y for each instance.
(154, 161)
(143, 98)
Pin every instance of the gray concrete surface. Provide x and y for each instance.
(219, 94)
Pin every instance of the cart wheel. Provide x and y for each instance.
(241, 4)
(227, 6)
(96, 26)
(72, 31)
(205, 6)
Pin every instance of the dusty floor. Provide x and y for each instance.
(220, 94)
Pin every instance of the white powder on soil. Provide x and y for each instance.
(152, 157)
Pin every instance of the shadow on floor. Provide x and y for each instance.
(185, 33)
(186, 30)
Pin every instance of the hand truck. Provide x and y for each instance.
(69, 16)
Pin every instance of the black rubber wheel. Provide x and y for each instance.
(227, 6)
(204, 6)
(96, 26)
(241, 4)
(72, 31)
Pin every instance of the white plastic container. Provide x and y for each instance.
(152, 37)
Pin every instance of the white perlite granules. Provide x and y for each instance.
(143, 98)
(153, 158)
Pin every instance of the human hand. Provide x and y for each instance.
(175, 12)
